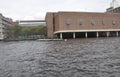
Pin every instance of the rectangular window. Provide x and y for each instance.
(68, 22)
(103, 21)
(93, 22)
(113, 22)
(80, 22)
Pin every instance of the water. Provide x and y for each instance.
(73, 58)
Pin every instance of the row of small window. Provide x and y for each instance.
(5, 24)
(6, 21)
(2, 27)
(2, 33)
(93, 22)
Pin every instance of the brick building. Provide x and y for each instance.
(83, 24)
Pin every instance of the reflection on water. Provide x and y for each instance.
(73, 58)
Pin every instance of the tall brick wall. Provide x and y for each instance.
(99, 20)
(49, 21)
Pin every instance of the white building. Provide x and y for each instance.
(4, 23)
(114, 4)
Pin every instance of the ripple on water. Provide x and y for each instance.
(95, 57)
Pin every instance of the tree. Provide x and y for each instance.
(16, 30)
(41, 30)
(34, 30)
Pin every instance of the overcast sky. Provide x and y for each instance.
(36, 9)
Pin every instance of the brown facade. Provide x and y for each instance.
(64, 22)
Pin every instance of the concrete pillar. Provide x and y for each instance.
(108, 34)
(61, 37)
(97, 34)
(74, 35)
(86, 35)
(117, 34)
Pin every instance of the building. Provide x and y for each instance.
(83, 24)
(4, 23)
(33, 29)
(114, 7)
(113, 10)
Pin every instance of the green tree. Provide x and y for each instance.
(16, 30)
(34, 30)
(41, 29)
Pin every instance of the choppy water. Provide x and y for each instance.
(73, 58)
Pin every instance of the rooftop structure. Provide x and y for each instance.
(31, 22)
(114, 7)
(114, 4)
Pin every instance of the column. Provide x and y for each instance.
(61, 37)
(108, 34)
(97, 35)
(86, 35)
(1, 34)
(74, 35)
(117, 34)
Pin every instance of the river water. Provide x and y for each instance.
(93, 57)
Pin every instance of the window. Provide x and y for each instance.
(103, 21)
(113, 22)
(93, 22)
(80, 22)
(68, 22)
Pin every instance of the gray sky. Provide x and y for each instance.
(36, 9)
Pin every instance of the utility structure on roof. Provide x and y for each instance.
(114, 4)
(114, 7)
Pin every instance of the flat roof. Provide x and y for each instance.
(85, 12)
